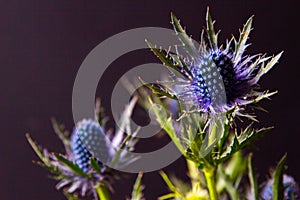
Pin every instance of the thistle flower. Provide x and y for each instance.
(83, 167)
(94, 132)
(213, 78)
(291, 190)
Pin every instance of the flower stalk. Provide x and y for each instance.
(103, 192)
(210, 176)
(194, 172)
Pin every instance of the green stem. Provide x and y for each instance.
(210, 176)
(102, 192)
(193, 172)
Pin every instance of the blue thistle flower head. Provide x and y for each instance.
(291, 190)
(88, 133)
(214, 78)
(88, 149)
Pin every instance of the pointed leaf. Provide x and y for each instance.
(166, 123)
(216, 129)
(224, 137)
(231, 149)
(58, 129)
(253, 179)
(271, 63)
(95, 165)
(137, 188)
(157, 90)
(278, 187)
(35, 147)
(71, 196)
(75, 168)
(49, 167)
(240, 46)
(168, 196)
(170, 185)
(212, 37)
(248, 136)
(167, 59)
(244, 139)
(202, 42)
(183, 65)
(236, 166)
(232, 191)
(186, 41)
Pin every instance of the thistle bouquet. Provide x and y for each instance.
(214, 92)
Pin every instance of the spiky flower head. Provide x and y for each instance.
(83, 168)
(291, 190)
(88, 133)
(214, 78)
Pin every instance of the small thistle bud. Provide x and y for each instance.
(291, 189)
(88, 140)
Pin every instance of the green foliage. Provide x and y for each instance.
(238, 142)
(165, 122)
(265, 68)
(168, 59)
(228, 184)
(71, 196)
(278, 188)
(95, 165)
(211, 143)
(56, 164)
(96, 180)
(186, 41)
(37, 149)
(182, 191)
(137, 192)
(212, 36)
(240, 45)
(72, 166)
(157, 90)
(253, 179)
(62, 134)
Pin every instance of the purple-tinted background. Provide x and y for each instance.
(43, 43)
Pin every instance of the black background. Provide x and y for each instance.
(43, 43)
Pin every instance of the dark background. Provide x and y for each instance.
(43, 43)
